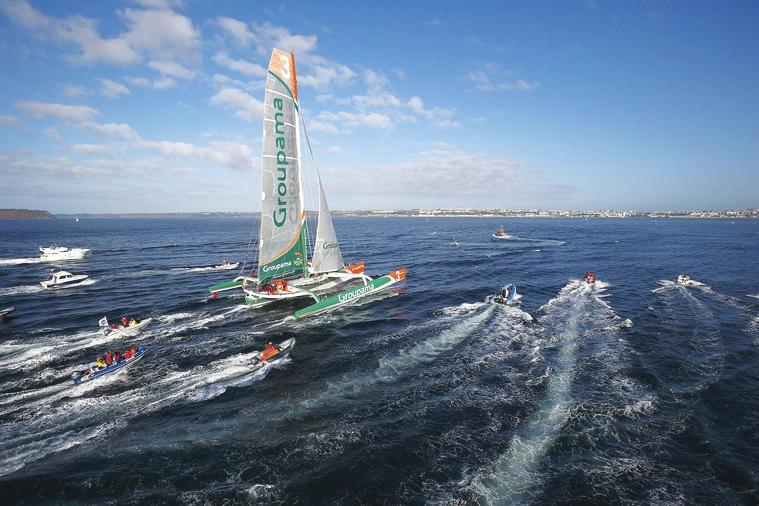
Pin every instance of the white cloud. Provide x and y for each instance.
(321, 126)
(322, 73)
(237, 29)
(438, 116)
(117, 130)
(450, 171)
(230, 154)
(244, 106)
(160, 33)
(164, 84)
(163, 34)
(172, 69)
(92, 149)
(73, 90)
(10, 121)
(491, 77)
(158, 84)
(268, 36)
(159, 4)
(337, 150)
(242, 66)
(68, 113)
(112, 89)
(351, 120)
(53, 133)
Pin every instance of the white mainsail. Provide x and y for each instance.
(327, 256)
(282, 247)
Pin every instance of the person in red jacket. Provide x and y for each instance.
(108, 358)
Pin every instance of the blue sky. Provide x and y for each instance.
(155, 105)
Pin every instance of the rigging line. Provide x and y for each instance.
(318, 178)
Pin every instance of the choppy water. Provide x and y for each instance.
(424, 395)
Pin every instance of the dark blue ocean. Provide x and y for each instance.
(421, 395)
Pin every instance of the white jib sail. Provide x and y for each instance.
(327, 256)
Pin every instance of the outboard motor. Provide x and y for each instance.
(76, 375)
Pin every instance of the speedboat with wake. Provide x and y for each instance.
(501, 234)
(101, 368)
(273, 353)
(589, 278)
(5, 312)
(684, 279)
(63, 279)
(128, 326)
(226, 265)
(58, 253)
(507, 296)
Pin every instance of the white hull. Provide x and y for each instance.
(58, 254)
(68, 282)
(227, 267)
(127, 331)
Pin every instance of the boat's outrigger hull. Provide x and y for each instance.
(352, 295)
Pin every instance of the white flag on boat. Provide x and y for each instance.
(103, 322)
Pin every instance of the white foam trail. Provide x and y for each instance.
(200, 322)
(20, 290)
(194, 269)
(19, 261)
(426, 351)
(391, 369)
(171, 318)
(45, 428)
(515, 471)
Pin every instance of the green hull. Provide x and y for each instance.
(346, 297)
(229, 285)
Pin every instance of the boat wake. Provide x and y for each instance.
(20, 290)
(585, 342)
(61, 416)
(19, 261)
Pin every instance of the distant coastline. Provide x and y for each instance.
(25, 214)
(440, 213)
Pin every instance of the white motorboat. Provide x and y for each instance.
(684, 279)
(501, 234)
(226, 265)
(57, 253)
(62, 279)
(132, 326)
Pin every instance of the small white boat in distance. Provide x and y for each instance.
(62, 279)
(684, 279)
(57, 253)
(5, 312)
(501, 234)
(226, 265)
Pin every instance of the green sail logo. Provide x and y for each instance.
(280, 214)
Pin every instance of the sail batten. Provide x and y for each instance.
(282, 235)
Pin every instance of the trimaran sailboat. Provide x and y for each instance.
(283, 269)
